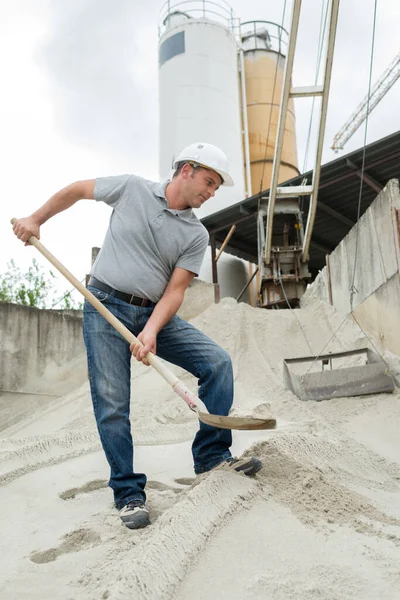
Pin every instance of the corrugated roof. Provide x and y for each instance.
(337, 206)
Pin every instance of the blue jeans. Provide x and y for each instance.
(109, 366)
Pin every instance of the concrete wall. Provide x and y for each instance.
(40, 350)
(376, 240)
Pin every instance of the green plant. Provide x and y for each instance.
(35, 287)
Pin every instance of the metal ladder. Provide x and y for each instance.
(301, 254)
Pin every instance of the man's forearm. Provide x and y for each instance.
(26, 227)
(61, 201)
(165, 309)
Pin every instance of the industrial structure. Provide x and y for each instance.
(199, 87)
(230, 84)
(337, 211)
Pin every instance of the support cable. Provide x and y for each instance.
(293, 312)
(353, 289)
(260, 250)
(65, 295)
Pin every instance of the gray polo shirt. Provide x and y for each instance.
(145, 239)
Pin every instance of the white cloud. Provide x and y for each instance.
(101, 61)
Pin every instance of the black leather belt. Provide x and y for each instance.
(129, 298)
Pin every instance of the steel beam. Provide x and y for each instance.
(335, 214)
(368, 179)
(213, 261)
(281, 126)
(233, 222)
(380, 161)
(306, 91)
(334, 10)
(320, 246)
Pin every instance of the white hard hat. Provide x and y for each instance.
(208, 156)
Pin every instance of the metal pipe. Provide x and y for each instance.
(261, 215)
(258, 287)
(329, 280)
(213, 261)
(245, 126)
(247, 285)
(281, 126)
(225, 242)
(251, 291)
(324, 107)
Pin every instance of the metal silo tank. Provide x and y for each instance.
(199, 89)
(264, 44)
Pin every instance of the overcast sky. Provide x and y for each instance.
(80, 100)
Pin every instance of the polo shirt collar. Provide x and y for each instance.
(159, 188)
(186, 213)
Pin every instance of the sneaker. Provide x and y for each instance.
(248, 466)
(135, 515)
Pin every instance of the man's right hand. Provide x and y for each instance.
(24, 228)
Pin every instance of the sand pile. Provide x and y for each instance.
(321, 520)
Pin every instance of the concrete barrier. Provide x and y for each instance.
(376, 241)
(41, 351)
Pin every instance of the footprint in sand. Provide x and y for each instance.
(162, 487)
(99, 484)
(185, 480)
(91, 486)
(72, 542)
(161, 497)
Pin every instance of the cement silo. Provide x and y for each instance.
(199, 88)
(202, 97)
(264, 45)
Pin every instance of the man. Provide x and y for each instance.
(153, 248)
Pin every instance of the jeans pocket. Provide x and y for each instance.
(98, 294)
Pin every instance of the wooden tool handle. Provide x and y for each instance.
(150, 357)
(179, 387)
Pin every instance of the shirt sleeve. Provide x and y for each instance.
(193, 256)
(110, 189)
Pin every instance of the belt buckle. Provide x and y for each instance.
(131, 299)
